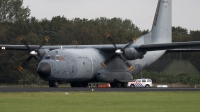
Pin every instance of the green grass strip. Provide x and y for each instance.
(100, 102)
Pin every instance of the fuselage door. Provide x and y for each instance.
(91, 69)
(86, 67)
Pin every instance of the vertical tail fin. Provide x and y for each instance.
(161, 31)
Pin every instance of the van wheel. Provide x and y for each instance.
(132, 86)
(147, 86)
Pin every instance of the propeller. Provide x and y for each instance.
(118, 52)
(33, 53)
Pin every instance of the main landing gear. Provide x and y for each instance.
(85, 84)
(118, 84)
(78, 84)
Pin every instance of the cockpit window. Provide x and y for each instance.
(57, 57)
(47, 57)
(62, 58)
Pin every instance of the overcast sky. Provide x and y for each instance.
(185, 13)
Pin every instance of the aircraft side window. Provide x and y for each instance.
(57, 57)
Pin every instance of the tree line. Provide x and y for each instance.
(15, 21)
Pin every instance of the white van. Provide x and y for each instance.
(144, 82)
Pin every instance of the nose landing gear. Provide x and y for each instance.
(53, 84)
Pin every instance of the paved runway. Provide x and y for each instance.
(46, 89)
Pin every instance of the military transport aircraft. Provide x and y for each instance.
(114, 63)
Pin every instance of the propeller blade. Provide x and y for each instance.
(131, 68)
(27, 61)
(125, 60)
(24, 64)
(118, 52)
(20, 69)
(127, 45)
(107, 35)
(111, 58)
(20, 39)
(103, 64)
(134, 39)
(33, 53)
(131, 42)
(46, 39)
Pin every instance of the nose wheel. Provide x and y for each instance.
(53, 84)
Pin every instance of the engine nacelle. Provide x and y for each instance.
(41, 53)
(132, 54)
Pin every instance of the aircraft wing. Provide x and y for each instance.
(32, 47)
(105, 47)
(109, 47)
(166, 46)
(183, 50)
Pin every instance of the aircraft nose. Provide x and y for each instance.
(44, 70)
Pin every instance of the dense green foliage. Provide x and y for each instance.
(15, 22)
(12, 10)
(100, 102)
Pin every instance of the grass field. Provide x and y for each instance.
(100, 102)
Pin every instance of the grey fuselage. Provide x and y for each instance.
(82, 63)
